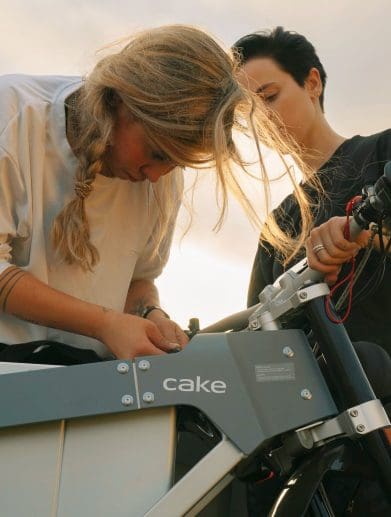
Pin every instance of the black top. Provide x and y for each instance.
(357, 162)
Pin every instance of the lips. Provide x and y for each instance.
(135, 177)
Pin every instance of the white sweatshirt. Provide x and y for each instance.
(37, 169)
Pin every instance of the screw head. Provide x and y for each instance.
(287, 350)
(144, 365)
(127, 400)
(360, 428)
(353, 412)
(148, 397)
(122, 368)
(303, 295)
(306, 394)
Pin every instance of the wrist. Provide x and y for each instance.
(104, 323)
(154, 311)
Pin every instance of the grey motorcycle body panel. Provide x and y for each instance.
(242, 381)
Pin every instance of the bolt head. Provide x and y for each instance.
(306, 394)
(148, 397)
(287, 350)
(122, 368)
(127, 400)
(360, 428)
(353, 413)
(144, 365)
(303, 295)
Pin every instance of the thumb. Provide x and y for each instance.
(162, 342)
(332, 277)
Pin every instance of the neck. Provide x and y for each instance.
(321, 143)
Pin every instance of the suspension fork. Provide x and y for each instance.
(350, 382)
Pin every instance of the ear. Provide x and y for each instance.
(313, 83)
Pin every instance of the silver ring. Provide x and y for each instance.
(318, 248)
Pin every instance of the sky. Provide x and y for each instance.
(207, 274)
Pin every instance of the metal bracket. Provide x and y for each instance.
(354, 422)
(275, 303)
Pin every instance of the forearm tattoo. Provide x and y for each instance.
(139, 307)
(7, 283)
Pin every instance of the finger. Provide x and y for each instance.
(315, 260)
(362, 238)
(336, 232)
(181, 336)
(331, 278)
(148, 348)
(159, 340)
(144, 347)
(331, 253)
(168, 330)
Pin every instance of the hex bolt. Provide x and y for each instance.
(127, 400)
(122, 368)
(148, 397)
(306, 394)
(144, 365)
(303, 295)
(353, 412)
(360, 428)
(287, 350)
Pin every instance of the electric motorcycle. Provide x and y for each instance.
(108, 438)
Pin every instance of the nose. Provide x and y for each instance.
(155, 172)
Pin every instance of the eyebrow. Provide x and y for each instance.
(264, 87)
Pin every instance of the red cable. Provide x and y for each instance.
(350, 276)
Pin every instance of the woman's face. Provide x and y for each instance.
(295, 105)
(131, 155)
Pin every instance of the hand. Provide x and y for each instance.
(170, 330)
(336, 250)
(128, 336)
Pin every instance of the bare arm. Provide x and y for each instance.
(143, 293)
(26, 297)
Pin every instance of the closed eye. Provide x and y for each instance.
(159, 156)
(268, 98)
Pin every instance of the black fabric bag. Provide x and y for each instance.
(47, 352)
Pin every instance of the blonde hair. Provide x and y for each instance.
(180, 84)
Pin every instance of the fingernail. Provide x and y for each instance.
(174, 350)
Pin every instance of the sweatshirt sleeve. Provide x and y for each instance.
(150, 264)
(13, 209)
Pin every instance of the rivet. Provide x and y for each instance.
(306, 394)
(144, 365)
(127, 400)
(303, 295)
(287, 350)
(360, 428)
(122, 368)
(353, 412)
(148, 397)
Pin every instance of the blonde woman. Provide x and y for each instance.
(90, 184)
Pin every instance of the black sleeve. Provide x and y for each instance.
(257, 282)
(384, 147)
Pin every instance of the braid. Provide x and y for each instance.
(71, 231)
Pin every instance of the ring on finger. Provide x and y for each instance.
(319, 247)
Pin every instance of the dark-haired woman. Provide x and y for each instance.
(283, 68)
